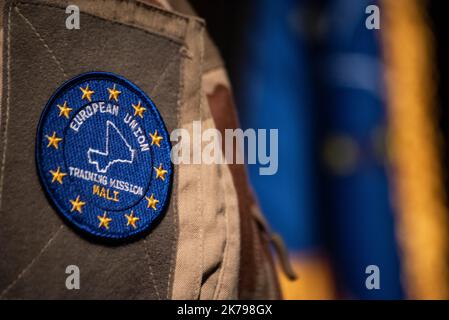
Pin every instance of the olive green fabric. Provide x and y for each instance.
(195, 250)
(39, 54)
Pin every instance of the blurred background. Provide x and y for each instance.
(363, 135)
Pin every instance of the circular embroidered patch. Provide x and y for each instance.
(103, 155)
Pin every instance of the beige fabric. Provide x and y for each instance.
(221, 225)
(212, 57)
(166, 23)
(213, 78)
(208, 239)
(188, 271)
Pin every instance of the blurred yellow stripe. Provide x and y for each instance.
(315, 280)
(414, 149)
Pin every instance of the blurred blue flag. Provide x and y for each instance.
(324, 91)
(275, 74)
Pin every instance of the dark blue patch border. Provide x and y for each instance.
(101, 75)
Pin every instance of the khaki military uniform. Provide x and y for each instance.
(212, 242)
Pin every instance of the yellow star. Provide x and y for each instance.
(132, 220)
(160, 173)
(64, 110)
(57, 175)
(113, 93)
(53, 140)
(77, 204)
(155, 139)
(152, 202)
(138, 110)
(104, 221)
(87, 94)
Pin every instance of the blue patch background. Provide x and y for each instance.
(73, 152)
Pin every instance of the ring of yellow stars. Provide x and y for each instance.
(160, 172)
(113, 93)
(87, 94)
(152, 202)
(131, 220)
(64, 110)
(138, 110)
(53, 141)
(57, 175)
(104, 221)
(156, 139)
(77, 204)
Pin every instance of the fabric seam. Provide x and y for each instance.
(152, 32)
(33, 261)
(176, 184)
(16, 5)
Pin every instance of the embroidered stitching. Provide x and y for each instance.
(8, 86)
(5, 139)
(145, 247)
(225, 260)
(42, 40)
(33, 261)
